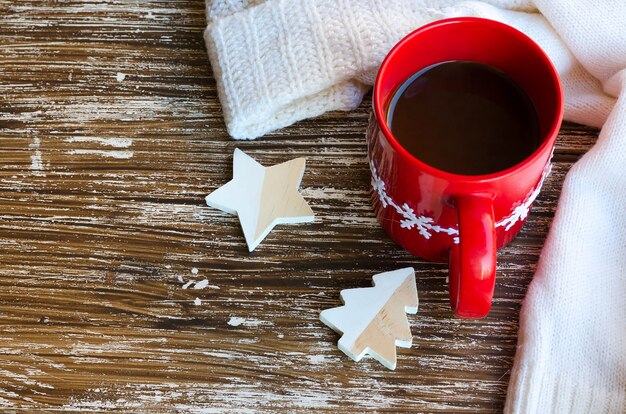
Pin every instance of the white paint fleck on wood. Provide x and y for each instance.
(235, 321)
(112, 142)
(36, 165)
(189, 283)
(201, 284)
(103, 153)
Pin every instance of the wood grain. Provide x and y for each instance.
(111, 136)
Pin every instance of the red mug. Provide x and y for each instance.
(446, 217)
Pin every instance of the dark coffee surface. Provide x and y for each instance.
(464, 118)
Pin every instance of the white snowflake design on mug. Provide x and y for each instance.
(426, 226)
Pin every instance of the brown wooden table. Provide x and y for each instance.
(111, 135)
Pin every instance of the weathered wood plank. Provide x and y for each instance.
(111, 135)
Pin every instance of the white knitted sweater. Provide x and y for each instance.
(279, 61)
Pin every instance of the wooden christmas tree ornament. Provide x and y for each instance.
(262, 197)
(373, 320)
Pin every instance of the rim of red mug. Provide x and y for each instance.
(547, 142)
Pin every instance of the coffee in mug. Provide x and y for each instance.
(465, 118)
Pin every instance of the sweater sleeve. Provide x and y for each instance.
(281, 61)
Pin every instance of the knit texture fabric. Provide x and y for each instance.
(279, 61)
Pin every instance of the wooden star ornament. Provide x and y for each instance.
(262, 197)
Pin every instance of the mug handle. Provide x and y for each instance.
(473, 260)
